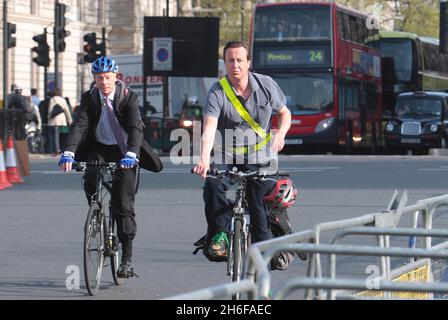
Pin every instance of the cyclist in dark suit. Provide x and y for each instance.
(108, 126)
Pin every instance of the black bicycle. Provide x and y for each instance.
(100, 234)
(240, 228)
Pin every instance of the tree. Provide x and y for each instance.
(230, 14)
(417, 16)
(420, 17)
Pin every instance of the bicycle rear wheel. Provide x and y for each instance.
(115, 258)
(93, 248)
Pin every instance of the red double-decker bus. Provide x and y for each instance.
(318, 54)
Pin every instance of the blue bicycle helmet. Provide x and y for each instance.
(104, 64)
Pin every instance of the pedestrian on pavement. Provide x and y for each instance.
(43, 110)
(59, 115)
(34, 97)
(21, 103)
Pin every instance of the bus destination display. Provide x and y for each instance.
(292, 57)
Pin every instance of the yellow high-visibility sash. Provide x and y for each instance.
(246, 116)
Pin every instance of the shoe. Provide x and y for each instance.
(282, 260)
(125, 270)
(218, 245)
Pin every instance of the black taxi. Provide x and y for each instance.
(419, 122)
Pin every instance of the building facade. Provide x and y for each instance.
(122, 20)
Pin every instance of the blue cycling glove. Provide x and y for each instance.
(67, 157)
(128, 162)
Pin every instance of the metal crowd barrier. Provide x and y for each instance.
(425, 276)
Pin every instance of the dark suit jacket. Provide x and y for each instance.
(81, 137)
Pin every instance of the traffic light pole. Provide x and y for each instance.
(56, 53)
(166, 110)
(5, 67)
(104, 41)
(45, 72)
(56, 69)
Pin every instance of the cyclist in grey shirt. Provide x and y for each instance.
(260, 96)
(265, 98)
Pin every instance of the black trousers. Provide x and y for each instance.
(218, 207)
(123, 194)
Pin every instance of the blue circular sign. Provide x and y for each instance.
(162, 54)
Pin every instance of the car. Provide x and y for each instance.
(419, 122)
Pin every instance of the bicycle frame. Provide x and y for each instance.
(238, 221)
(100, 224)
(104, 181)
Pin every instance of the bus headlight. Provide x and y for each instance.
(390, 127)
(433, 128)
(324, 125)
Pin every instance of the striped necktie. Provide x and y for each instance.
(115, 126)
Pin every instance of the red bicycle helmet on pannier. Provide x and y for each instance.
(283, 195)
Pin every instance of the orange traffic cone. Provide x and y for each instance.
(4, 183)
(11, 164)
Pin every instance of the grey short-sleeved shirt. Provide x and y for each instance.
(266, 97)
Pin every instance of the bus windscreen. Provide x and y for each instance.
(291, 23)
(307, 93)
(401, 51)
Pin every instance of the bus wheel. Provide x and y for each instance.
(420, 151)
(349, 142)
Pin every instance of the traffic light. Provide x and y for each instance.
(59, 28)
(90, 48)
(42, 50)
(11, 29)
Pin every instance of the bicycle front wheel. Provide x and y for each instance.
(93, 248)
(237, 266)
(115, 258)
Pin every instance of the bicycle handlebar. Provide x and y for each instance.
(81, 166)
(259, 173)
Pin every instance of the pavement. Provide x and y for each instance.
(438, 152)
